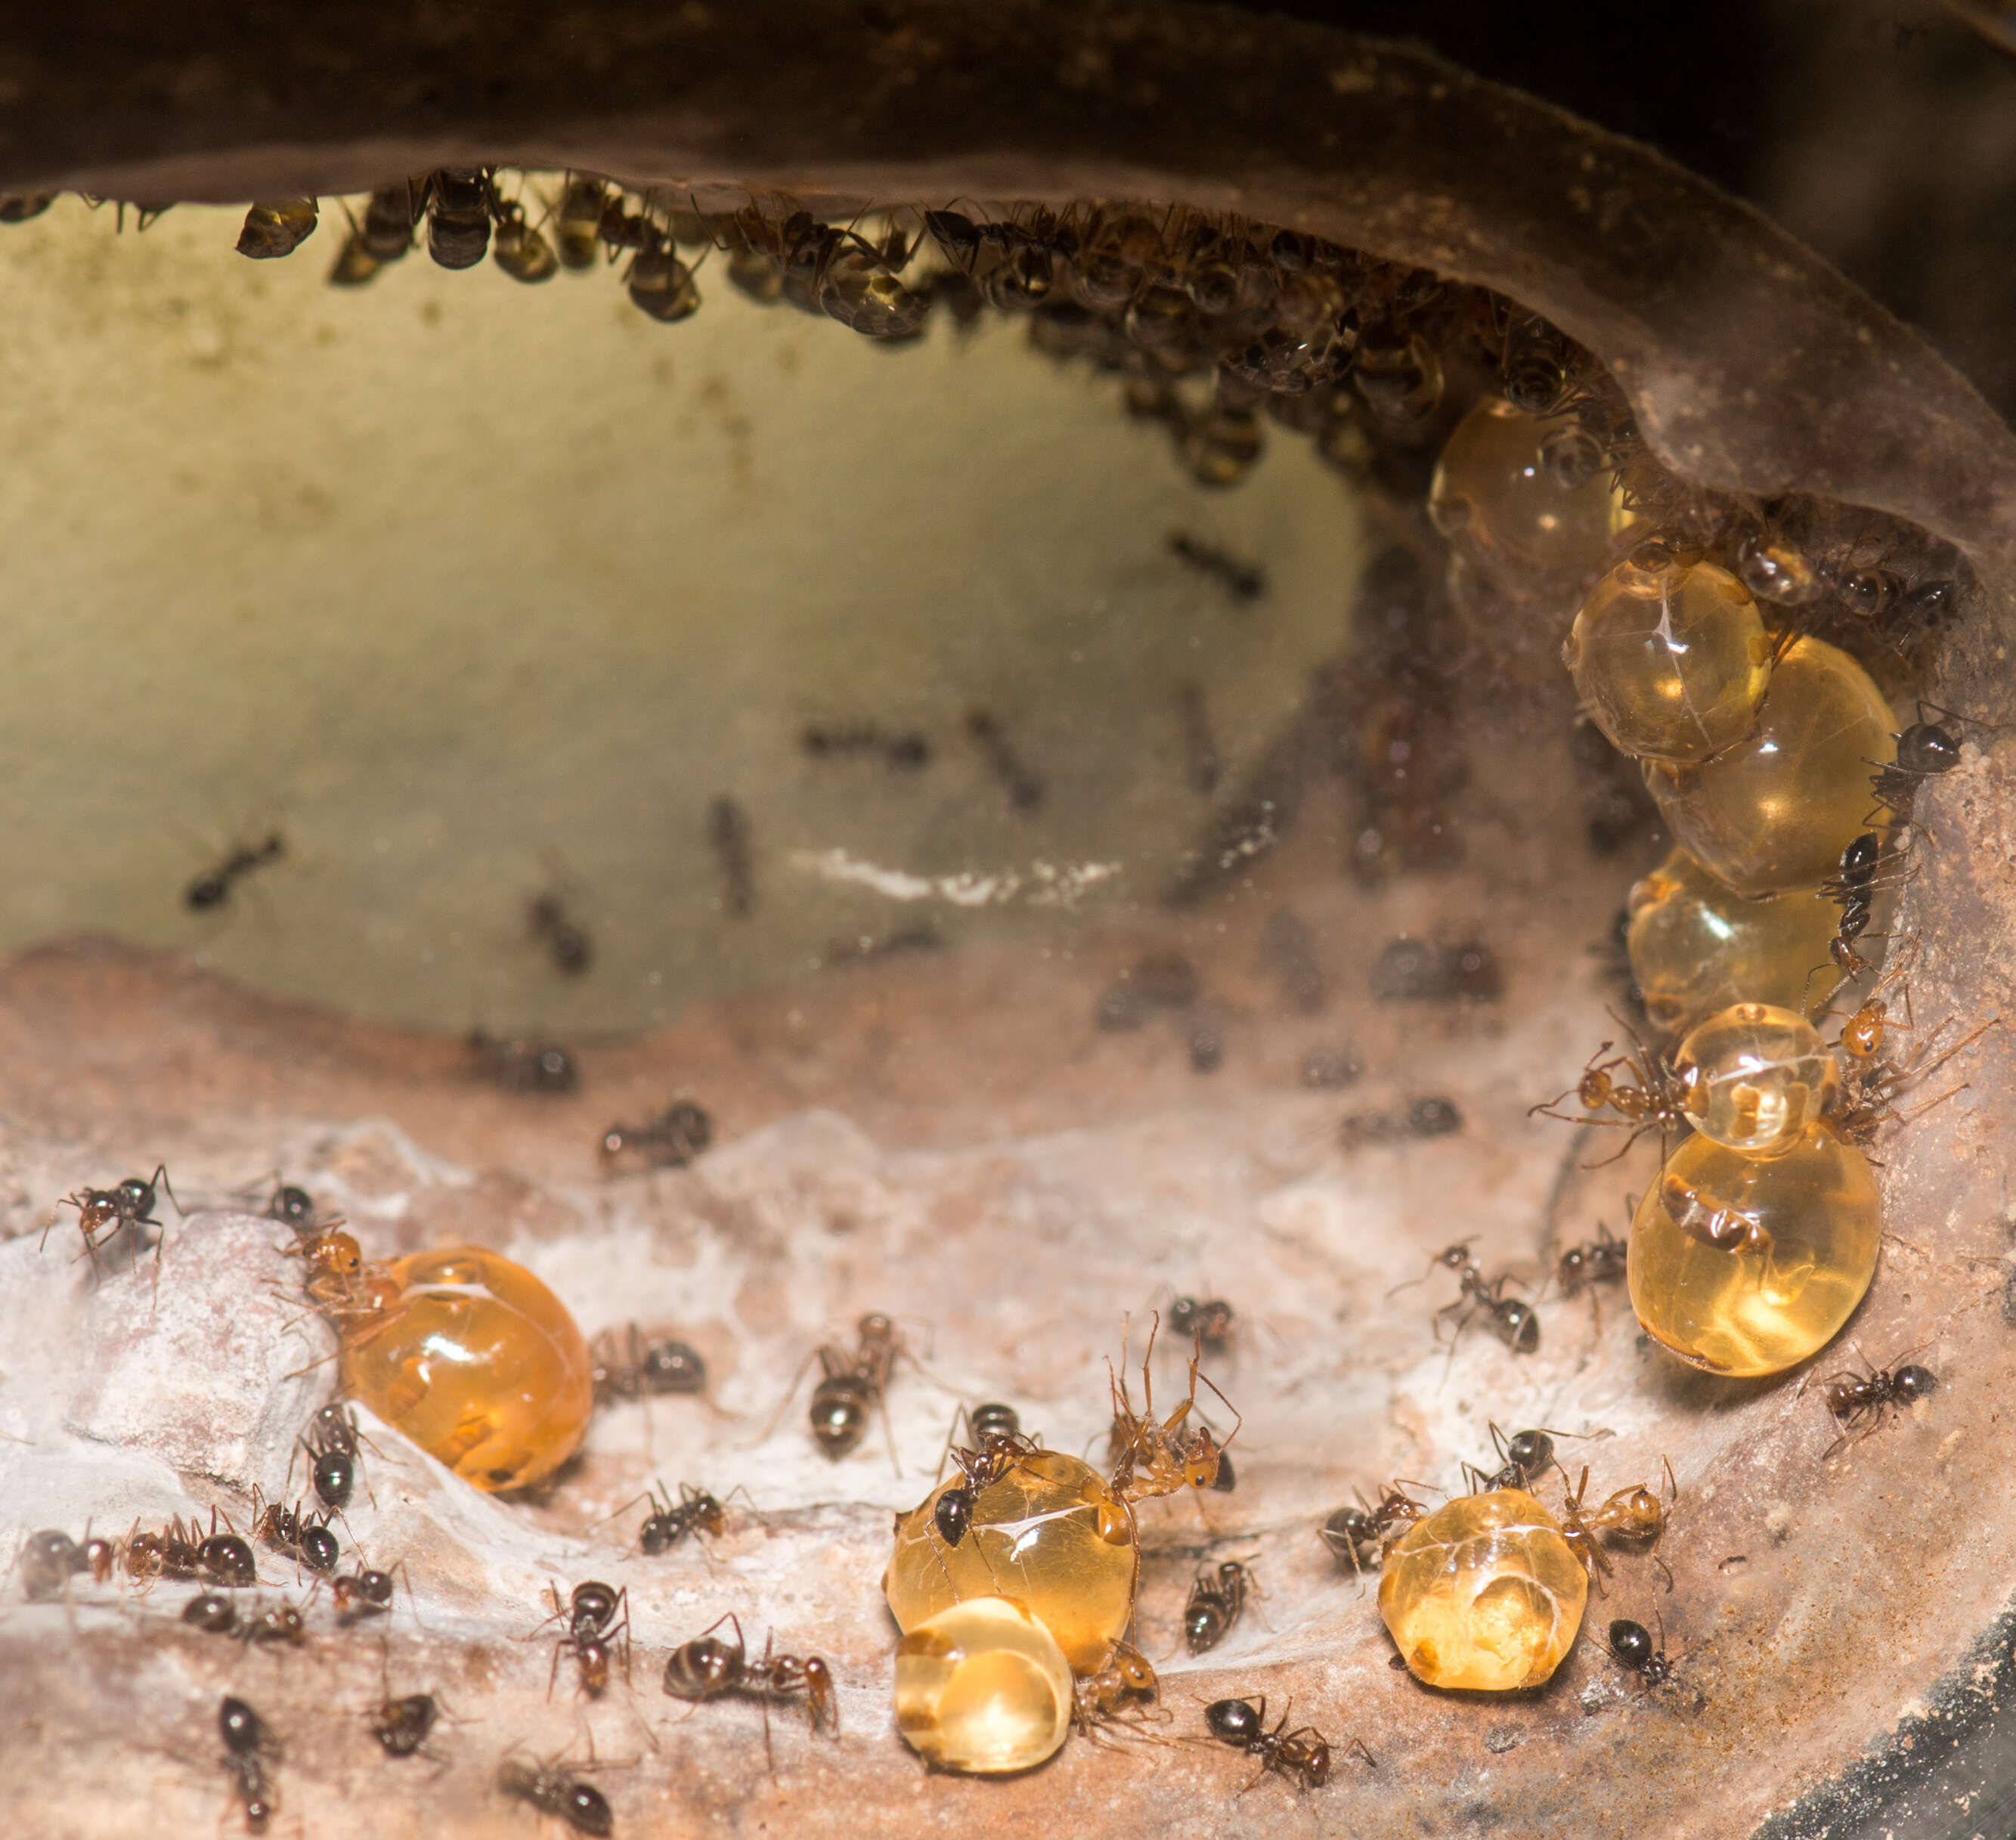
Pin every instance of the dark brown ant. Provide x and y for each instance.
(669, 1141)
(1634, 1517)
(906, 752)
(549, 1788)
(567, 944)
(331, 1442)
(293, 1206)
(402, 1725)
(1599, 1261)
(458, 201)
(520, 1066)
(1655, 1102)
(1512, 1319)
(214, 886)
(1854, 885)
(283, 1622)
(1207, 1322)
(1860, 1401)
(212, 1612)
(1214, 1605)
(853, 1385)
(728, 836)
(1366, 1533)
(696, 1512)
(1000, 1445)
(170, 1552)
(226, 1558)
(708, 1667)
(1152, 1457)
(597, 1624)
(1302, 1756)
(104, 1213)
(628, 1363)
(298, 1535)
(1521, 1458)
(1242, 580)
(50, 1559)
(249, 1748)
(1117, 1694)
(360, 1594)
(1024, 791)
(1925, 750)
(1631, 1645)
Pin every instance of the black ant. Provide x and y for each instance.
(1632, 1646)
(213, 887)
(283, 1622)
(594, 1628)
(402, 1725)
(1521, 1458)
(1859, 1401)
(1512, 1320)
(624, 1364)
(331, 1441)
(103, 1213)
(248, 1748)
(1302, 1756)
(50, 1559)
(998, 1446)
(293, 1206)
(1207, 1322)
(708, 1667)
(669, 1141)
(360, 1594)
(298, 1535)
(1214, 1605)
(1366, 1533)
(550, 1789)
(852, 1385)
(212, 1612)
(1925, 750)
(567, 944)
(1599, 1261)
(696, 1512)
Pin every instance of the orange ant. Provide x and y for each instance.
(1119, 1694)
(1634, 1516)
(1654, 1101)
(1167, 1457)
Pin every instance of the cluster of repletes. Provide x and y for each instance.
(1760, 1235)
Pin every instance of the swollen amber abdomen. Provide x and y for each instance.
(1755, 1077)
(1485, 1594)
(476, 1361)
(1801, 1234)
(982, 1688)
(1049, 1534)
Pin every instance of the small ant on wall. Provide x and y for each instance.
(102, 1214)
(1362, 1535)
(1512, 1319)
(248, 1749)
(708, 1667)
(1302, 1756)
(549, 1787)
(598, 1626)
(213, 887)
(1861, 1402)
(1214, 1604)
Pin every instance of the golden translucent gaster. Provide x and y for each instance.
(983, 1687)
(1756, 1077)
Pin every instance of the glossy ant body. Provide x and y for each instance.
(1635, 1517)
(1302, 1756)
(104, 1213)
(709, 1667)
(1860, 1401)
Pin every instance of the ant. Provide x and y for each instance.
(523, 1066)
(1000, 1445)
(364, 1593)
(1117, 1694)
(669, 1141)
(1242, 580)
(213, 887)
(708, 1667)
(696, 1512)
(1513, 1321)
(1303, 1756)
(212, 1612)
(852, 1385)
(248, 1747)
(331, 1440)
(1655, 1100)
(284, 1623)
(103, 1213)
(1214, 1604)
(293, 1206)
(1632, 1646)
(567, 944)
(297, 1536)
(1859, 1401)
(1599, 1261)
(1925, 750)
(1022, 788)
(1854, 886)
(1872, 1081)
(1634, 1516)
(1207, 1322)
(49, 1560)
(548, 1787)
(1350, 1532)
(1170, 1457)
(1521, 1457)
(594, 1629)
(402, 1725)
(623, 1364)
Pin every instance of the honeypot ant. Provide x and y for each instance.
(708, 1667)
(1635, 1516)
(213, 887)
(1302, 1756)
(549, 1788)
(103, 1213)
(1860, 1401)
(1214, 1604)
(248, 1748)
(1169, 1457)
(597, 1621)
